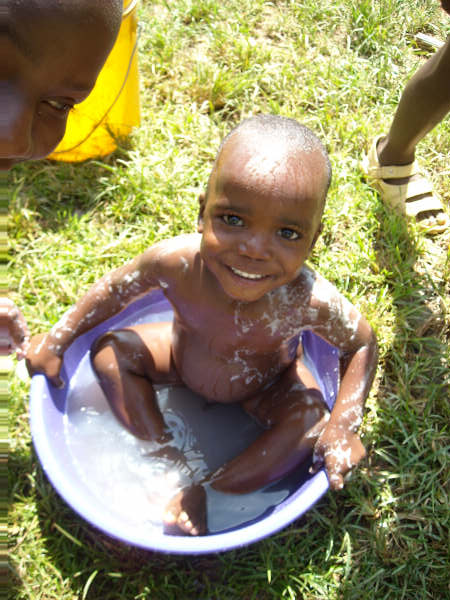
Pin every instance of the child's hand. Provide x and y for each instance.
(42, 359)
(340, 449)
(14, 331)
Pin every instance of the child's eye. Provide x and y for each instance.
(233, 220)
(60, 106)
(288, 234)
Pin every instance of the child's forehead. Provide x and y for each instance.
(268, 147)
(248, 156)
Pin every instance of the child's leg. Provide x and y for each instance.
(127, 363)
(294, 412)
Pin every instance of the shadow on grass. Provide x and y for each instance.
(415, 365)
(408, 468)
(53, 190)
(62, 197)
(75, 550)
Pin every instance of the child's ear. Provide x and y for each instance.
(201, 210)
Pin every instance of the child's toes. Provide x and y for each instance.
(169, 517)
(186, 524)
(186, 512)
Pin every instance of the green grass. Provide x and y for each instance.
(338, 66)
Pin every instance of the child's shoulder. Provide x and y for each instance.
(170, 259)
(182, 248)
(330, 313)
(184, 243)
(320, 290)
(313, 280)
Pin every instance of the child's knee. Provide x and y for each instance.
(108, 349)
(306, 408)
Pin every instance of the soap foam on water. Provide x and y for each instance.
(128, 480)
(117, 467)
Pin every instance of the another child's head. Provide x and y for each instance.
(52, 52)
(262, 211)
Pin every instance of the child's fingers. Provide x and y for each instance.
(22, 349)
(339, 471)
(51, 371)
(317, 463)
(56, 381)
(336, 480)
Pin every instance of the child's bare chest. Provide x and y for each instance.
(229, 352)
(262, 327)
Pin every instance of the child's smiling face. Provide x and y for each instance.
(261, 217)
(51, 56)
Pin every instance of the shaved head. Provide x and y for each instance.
(273, 130)
(270, 143)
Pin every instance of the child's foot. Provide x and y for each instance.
(185, 514)
(403, 187)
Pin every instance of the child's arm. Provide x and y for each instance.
(339, 447)
(111, 294)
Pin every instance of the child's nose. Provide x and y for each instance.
(16, 122)
(256, 247)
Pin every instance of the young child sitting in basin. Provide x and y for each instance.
(241, 294)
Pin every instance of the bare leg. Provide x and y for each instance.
(424, 103)
(127, 363)
(295, 416)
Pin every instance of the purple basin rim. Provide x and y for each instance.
(47, 406)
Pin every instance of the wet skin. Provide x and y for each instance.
(14, 334)
(51, 57)
(241, 295)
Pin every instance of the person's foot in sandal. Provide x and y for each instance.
(404, 188)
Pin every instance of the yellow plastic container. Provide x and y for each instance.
(112, 108)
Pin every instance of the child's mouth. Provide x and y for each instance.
(245, 275)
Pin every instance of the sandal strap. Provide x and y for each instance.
(411, 198)
(413, 208)
(393, 171)
(373, 168)
(404, 200)
(398, 195)
(418, 187)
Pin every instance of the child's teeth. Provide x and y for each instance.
(247, 275)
